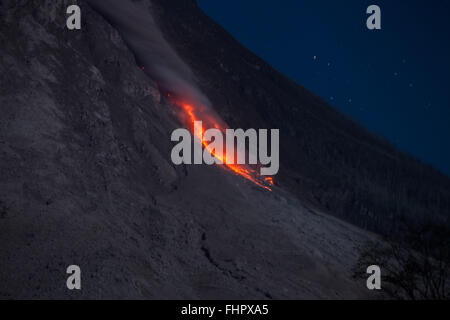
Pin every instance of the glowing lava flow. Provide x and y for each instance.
(214, 122)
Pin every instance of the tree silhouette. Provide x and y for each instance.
(415, 267)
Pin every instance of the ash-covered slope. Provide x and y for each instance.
(83, 154)
(86, 176)
(86, 179)
(326, 159)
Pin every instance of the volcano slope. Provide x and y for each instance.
(326, 159)
(86, 176)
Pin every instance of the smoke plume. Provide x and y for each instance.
(134, 21)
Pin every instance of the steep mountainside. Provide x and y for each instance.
(86, 176)
(86, 179)
(326, 158)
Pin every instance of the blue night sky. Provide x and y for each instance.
(395, 81)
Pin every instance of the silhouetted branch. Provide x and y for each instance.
(417, 267)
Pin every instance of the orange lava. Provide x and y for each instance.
(200, 113)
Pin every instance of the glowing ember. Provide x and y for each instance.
(200, 113)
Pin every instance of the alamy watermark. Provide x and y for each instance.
(208, 147)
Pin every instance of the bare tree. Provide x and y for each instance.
(416, 267)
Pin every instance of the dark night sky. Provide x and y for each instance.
(395, 81)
